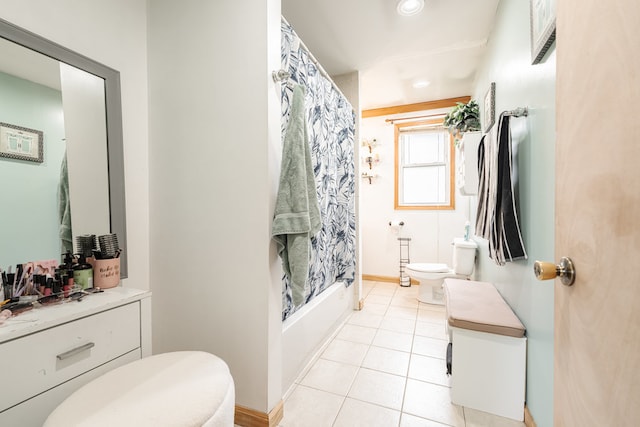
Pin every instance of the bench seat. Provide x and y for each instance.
(478, 306)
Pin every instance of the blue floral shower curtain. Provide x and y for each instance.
(331, 126)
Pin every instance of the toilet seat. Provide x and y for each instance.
(425, 267)
(430, 271)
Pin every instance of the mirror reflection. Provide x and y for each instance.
(45, 205)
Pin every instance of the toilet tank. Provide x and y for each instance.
(464, 256)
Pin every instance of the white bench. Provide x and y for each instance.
(489, 349)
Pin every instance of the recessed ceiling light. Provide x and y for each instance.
(419, 84)
(409, 7)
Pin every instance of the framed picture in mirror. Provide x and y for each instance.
(20, 143)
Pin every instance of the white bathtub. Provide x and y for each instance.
(304, 333)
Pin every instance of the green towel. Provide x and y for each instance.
(64, 208)
(297, 213)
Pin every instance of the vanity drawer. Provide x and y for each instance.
(45, 359)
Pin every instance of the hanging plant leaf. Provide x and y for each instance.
(463, 118)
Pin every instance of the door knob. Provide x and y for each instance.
(548, 270)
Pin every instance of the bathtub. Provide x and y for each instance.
(306, 330)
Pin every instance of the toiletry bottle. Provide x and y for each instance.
(67, 266)
(83, 273)
(48, 288)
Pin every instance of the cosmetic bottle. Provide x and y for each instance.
(83, 273)
(48, 288)
(57, 285)
(40, 280)
(67, 267)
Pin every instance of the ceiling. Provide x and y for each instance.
(29, 65)
(443, 45)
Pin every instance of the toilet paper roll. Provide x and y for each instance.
(396, 223)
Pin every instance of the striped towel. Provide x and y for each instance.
(497, 214)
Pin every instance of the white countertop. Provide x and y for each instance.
(44, 317)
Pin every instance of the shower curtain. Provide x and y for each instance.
(331, 126)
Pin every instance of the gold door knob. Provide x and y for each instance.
(548, 270)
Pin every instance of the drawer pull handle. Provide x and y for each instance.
(74, 351)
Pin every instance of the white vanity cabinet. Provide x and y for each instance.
(49, 352)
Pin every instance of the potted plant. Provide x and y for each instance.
(463, 118)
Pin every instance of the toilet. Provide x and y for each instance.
(431, 276)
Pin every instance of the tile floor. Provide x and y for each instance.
(384, 367)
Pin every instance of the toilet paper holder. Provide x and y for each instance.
(401, 223)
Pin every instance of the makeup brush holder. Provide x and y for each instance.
(106, 273)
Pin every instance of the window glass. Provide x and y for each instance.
(424, 165)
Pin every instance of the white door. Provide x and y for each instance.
(597, 320)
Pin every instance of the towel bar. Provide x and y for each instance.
(518, 112)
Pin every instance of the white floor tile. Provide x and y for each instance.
(349, 352)
(361, 318)
(430, 347)
(355, 413)
(330, 376)
(387, 285)
(409, 290)
(307, 407)
(355, 333)
(429, 369)
(368, 284)
(393, 340)
(432, 307)
(402, 312)
(431, 316)
(386, 360)
(475, 418)
(378, 388)
(404, 300)
(374, 308)
(408, 420)
(383, 290)
(397, 324)
(378, 299)
(432, 402)
(433, 330)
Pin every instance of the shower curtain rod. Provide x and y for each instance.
(315, 62)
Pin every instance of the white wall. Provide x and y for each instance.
(431, 232)
(214, 156)
(34, 186)
(83, 101)
(519, 84)
(114, 34)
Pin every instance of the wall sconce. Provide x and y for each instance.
(369, 157)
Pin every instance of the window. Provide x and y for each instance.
(424, 167)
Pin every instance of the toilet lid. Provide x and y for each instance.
(428, 267)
